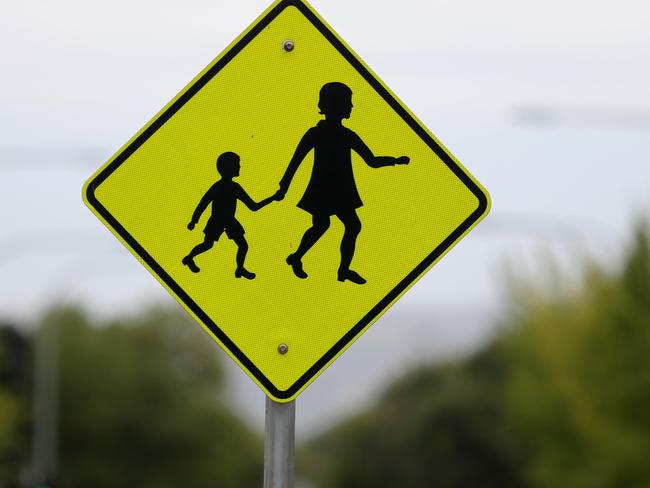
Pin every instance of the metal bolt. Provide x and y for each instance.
(283, 348)
(288, 45)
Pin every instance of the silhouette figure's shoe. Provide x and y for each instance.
(296, 266)
(189, 262)
(244, 273)
(352, 276)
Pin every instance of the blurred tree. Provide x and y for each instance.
(140, 406)
(578, 382)
(440, 426)
(14, 413)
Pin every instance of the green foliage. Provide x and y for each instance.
(578, 384)
(438, 426)
(140, 406)
(561, 398)
(13, 422)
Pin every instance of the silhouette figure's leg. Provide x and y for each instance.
(320, 224)
(348, 244)
(200, 248)
(242, 250)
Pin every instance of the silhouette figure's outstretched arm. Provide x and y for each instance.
(250, 203)
(373, 161)
(305, 145)
(200, 208)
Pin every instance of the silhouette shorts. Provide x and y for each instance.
(233, 229)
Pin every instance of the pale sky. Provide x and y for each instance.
(93, 72)
(79, 78)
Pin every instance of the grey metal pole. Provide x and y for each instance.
(45, 432)
(279, 444)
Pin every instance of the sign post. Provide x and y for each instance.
(286, 198)
(279, 444)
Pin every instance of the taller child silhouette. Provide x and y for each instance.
(331, 189)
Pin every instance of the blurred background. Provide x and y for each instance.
(521, 359)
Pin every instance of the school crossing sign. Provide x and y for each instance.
(286, 198)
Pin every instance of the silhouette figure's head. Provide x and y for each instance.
(228, 165)
(335, 100)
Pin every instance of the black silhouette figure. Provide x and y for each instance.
(331, 189)
(223, 196)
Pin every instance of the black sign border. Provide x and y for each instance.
(483, 202)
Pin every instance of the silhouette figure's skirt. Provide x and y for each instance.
(321, 200)
(214, 228)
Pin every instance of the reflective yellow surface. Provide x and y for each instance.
(259, 106)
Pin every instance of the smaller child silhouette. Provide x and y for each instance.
(223, 196)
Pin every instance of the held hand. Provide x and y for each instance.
(402, 160)
(191, 225)
(279, 195)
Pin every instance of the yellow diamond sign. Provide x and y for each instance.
(286, 198)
